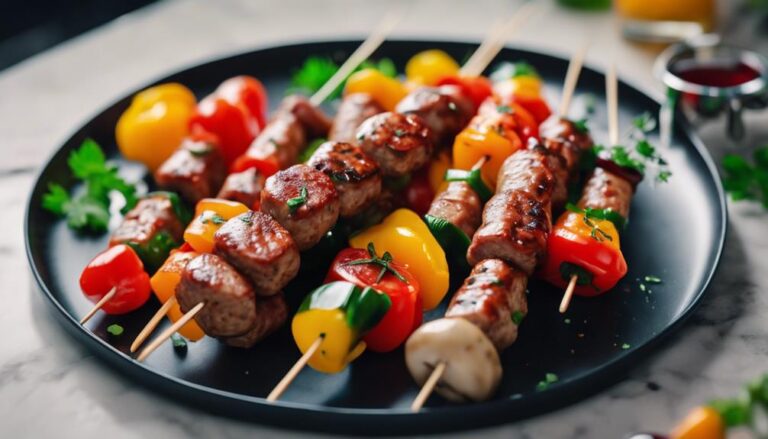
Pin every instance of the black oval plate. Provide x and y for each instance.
(676, 232)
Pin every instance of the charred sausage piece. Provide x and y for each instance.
(515, 228)
(261, 249)
(398, 143)
(304, 201)
(244, 187)
(195, 170)
(459, 205)
(606, 190)
(531, 170)
(312, 119)
(444, 109)
(271, 314)
(283, 138)
(563, 137)
(388, 201)
(150, 216)
(230, 303)
(353, 111)
(493, 299)
(357, 178)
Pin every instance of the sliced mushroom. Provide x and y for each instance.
(473, 368)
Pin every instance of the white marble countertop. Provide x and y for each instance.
(49, 385)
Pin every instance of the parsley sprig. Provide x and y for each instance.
(644, 155)
(745, 181)
(589, 214)
(89, 211)
(382, 261)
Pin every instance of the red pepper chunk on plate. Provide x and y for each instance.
(388, 277)
(118, 267)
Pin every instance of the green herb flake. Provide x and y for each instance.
(115, 329)
(497, 282)
(567, 321)
(399, 132)
(549, 378)
(643, 288)
(214, 218)
(179, 342)
(504, 109)
(644, 123)
(295, 203)
(745, 181)
(625, 346)
(517, 317)
(581, 126)
(651, 279)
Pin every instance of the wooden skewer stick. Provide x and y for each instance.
(360, 54)
(275, 394)
(571, 78)
(612, 95)
(107, 297)
(165, 335)
(428, 387)
(152, 324)
(493, 45)
(568, 294)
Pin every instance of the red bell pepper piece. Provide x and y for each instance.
(594, 257)
(476, 88)
(120, 267)
(405, 314)
(265, 165)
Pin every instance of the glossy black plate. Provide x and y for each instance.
(676, 232)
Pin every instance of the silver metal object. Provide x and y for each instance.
(714, 101)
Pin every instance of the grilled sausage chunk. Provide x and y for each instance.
(355, 175)
(151, 215)
(535, 170)
(606, 190)
(518, 218)
(444, 109)
(353, 111)
(230, 304)
(304, 201)
(398, 143)
(459, 205)
(195, 170)
(563, 139)
(261, 249)
(493, 299)
(244, 187)
(271, 314)
(312, 119)
(282, 139)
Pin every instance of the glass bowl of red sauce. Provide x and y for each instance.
(707, 78)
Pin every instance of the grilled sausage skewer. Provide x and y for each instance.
(484, 314)
(290, 128)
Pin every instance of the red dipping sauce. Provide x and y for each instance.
(717, 74)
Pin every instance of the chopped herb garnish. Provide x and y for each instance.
(745, 181)
(212, 218)
(517, 317)
(115, 329)
(549, 378)
(295, 203)
(567, 321)
(382, 261)
(179, 343)
(317, 70)
(589, 214)
(399, 132)
(504, 109)
(625, 346)
(199, 149)
(645, 123)
(581, 126)
(497, 282)
(507, 70)
(621, 157)
(89, 211)
(651, 279)
(248, 219)
(643, 288)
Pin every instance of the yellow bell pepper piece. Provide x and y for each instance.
(437, 172)
(428, 67)
(608, 235)
(336, 350)
(386, 91)
(405, 236)
(701, 423)
(155, 123)
(164, 283)
(210, 215)
(475, 142)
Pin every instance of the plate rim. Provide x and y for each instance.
(562, 393)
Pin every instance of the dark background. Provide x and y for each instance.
(28, 27)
